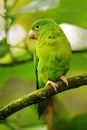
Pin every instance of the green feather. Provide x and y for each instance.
(45, 102)
(36, 59)
(53, 54)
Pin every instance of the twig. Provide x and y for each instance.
(41, 94)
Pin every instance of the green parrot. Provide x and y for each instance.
(52, 56)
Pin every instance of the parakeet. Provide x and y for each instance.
(52, 55)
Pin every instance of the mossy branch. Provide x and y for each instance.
(41, 94)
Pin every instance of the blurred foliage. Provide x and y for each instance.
(16, 66)
(4, 47)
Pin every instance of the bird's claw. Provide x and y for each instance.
(64, 80)
(53, 84)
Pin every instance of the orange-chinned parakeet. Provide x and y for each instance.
(52, 55)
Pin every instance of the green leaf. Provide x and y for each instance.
(4, 48)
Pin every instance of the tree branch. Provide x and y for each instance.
(41, 94)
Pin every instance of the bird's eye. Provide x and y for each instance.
(37, 26)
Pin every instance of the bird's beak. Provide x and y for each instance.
(31, 35)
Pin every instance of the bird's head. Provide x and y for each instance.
(41, 28)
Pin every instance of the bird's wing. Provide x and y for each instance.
(36, 59)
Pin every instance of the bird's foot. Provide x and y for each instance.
(64, 80)
(53, 84)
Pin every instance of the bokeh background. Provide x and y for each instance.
(17, 76)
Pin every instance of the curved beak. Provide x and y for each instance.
(31, 35)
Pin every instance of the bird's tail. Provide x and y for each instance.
(42, 107)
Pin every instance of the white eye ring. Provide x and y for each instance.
(37, 26)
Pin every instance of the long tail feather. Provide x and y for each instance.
(42, 107)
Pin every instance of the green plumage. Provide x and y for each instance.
(53, 53)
